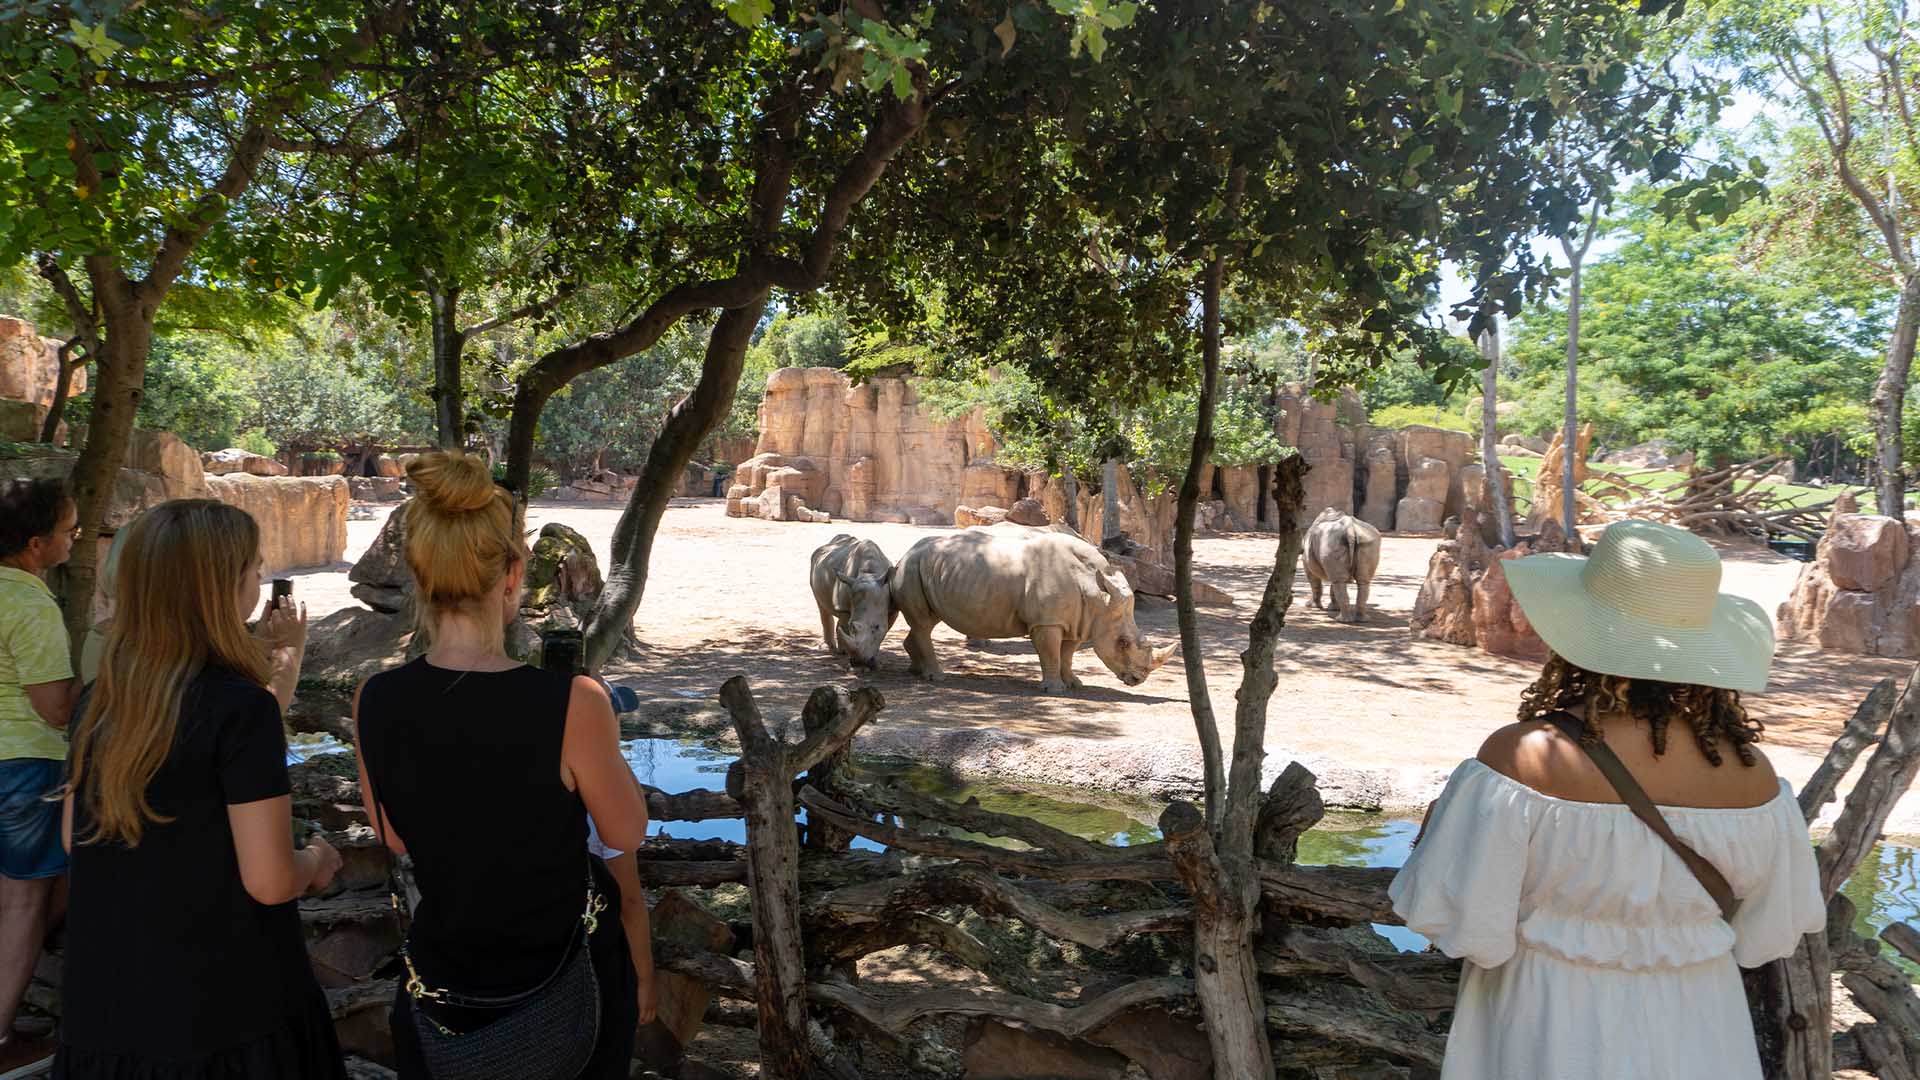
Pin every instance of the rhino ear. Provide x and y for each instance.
(1113, 587)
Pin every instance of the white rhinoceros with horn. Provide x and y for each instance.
(1017, 581)
(849, 579)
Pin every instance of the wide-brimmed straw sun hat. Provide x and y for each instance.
(1646, 605)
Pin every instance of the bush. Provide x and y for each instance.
(1440, 416)
(256, 442)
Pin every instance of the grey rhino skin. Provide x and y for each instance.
(849, 580)
(1342, 548)
(1009, 581)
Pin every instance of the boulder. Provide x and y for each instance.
(1418, 515)
(391, 599)
(387, 466)
(561, 570)
(1532, 444)
(384, 563)
(1499, 626)
(1149, 578)
(1652, 454)
(303, 520)
(1328, 435)
(30, 366)
(1865, 552)
(1002, 1050)
(969, 516)
(880, 450)
(375, 488)
(1443, 609)
(20, 422)
(354, 642)
(163, 454)
(1381, 486)
(233, 460)
(1028, 512)
(1240, 490)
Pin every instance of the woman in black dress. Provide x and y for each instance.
(185, 959)
(484, 770)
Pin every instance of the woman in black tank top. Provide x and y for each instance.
(484, 770)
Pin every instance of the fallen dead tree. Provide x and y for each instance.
(1733, 499)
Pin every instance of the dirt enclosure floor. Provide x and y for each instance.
(1379, 717)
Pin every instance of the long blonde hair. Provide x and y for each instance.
(463, 533)
(174, 615)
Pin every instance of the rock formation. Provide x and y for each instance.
(233, 460)
(29, 371)
(1549, 482)
(303, 521)
(1861, 594)
(875, 452)
(1465, 599)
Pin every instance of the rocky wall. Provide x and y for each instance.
(1861, 594)
(29, 372)
(875, 453)
(1465, 599)
(303, 520)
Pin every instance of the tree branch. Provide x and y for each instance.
(535, 309)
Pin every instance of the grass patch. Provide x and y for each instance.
(1526, 473)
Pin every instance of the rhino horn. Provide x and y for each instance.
(1161, 656)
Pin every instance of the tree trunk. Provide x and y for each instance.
(1191, 656)
(62, 387)
(687, 425)
(1890, 403)
(1495, 473)
(449, 413)
(1070, 491)
(1569, 501)
(1226, 971)
(119, 373)
(1109, 502)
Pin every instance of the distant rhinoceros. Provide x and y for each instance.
(1342, 548)
(1015, 581)
(849, 579)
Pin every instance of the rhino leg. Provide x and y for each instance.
(1047, 641)
(829, 631)
(1337, 588)
(1313, 583)
(1068, 646)
(922, 661)
(1358, 613)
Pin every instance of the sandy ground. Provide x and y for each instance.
(1379, 716)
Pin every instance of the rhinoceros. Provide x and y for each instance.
(1018, 581)
(1342, 548)
(849, 579)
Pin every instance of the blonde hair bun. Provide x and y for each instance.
(452, 482)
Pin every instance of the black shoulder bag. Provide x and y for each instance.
(1636, 799)
(546, 1033)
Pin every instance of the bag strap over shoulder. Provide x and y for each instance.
(1636, 799)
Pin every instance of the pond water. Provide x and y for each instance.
(1885, 889)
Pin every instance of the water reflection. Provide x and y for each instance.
(1886, 888)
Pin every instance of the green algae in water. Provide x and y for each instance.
(1116, 820)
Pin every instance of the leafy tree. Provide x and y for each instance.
(609, 418)
(133, 129)
(196, 390)
(1689, 337)
(1848, 73)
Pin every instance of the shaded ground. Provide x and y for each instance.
(1380, 716)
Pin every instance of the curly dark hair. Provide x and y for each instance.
(29, 509)
(1715, 715)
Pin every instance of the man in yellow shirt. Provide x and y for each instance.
(37, 693)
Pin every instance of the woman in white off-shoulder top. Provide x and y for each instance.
(1593, 952)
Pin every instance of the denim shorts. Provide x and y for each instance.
(30, 845)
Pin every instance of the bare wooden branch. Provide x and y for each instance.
(1292, 807)
(1861, 732)
(1352, 1015)
(1884, 1051)
(1887, 776)
(894, 1014)
(907, 803)
(691, 874)
(990, 895)
(1352, 893)
(700, 804)
(831, 717)
(1904, 939)
(1425, 983)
